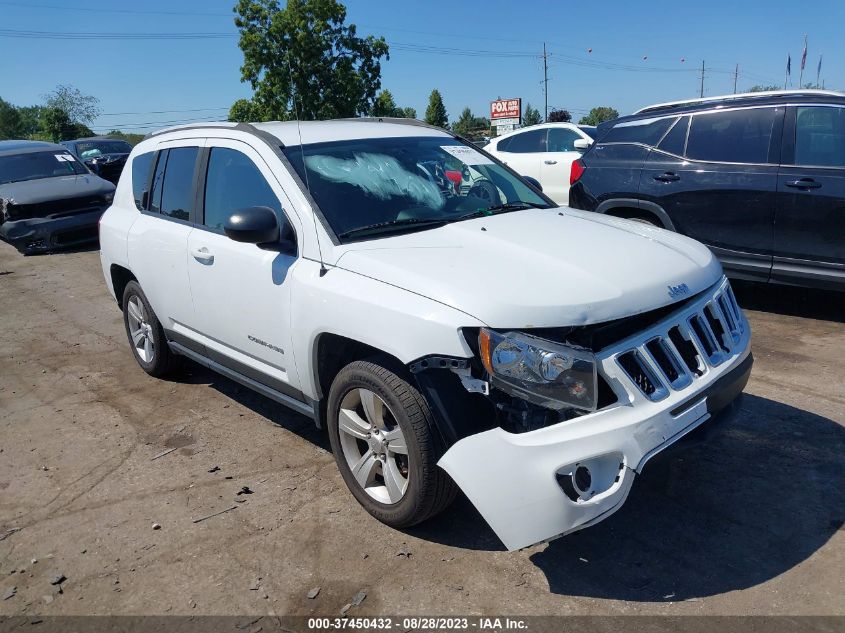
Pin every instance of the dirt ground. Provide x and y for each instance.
(749, 522)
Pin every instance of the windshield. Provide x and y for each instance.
(35, 165)
(89, 149)
(379, 186)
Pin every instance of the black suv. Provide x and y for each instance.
(759, 178)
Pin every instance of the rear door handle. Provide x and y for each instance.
(550, 162)
(668, 177)
(203, 255)
(803, 183)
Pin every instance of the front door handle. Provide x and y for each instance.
(550, 162)
(203, 255)
(669, 176)
(803, 183)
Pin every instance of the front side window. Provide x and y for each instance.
(39, 165)
(820, 136)
(562, 140)
(735, 136)
(233, 182)
(373, 187)
(173, 182)
(141, 166)
(525, 143)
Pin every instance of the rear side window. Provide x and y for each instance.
(675, 141)
(562, 140)
(173, 190)
(141, 166)
(234, 182)
(645, 131)
(736, 136)
(525, 143)
(820, 136)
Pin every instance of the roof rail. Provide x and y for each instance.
(191, 126)
(392, 119)
(742, 95)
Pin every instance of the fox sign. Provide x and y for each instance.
(505, 109)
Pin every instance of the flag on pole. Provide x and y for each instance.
(804, 54)
(789, 65)
(819, 69)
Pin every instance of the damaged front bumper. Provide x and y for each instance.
(36, 235)
(535, 486)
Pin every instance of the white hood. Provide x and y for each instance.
(539, 268)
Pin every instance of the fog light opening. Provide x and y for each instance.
(582, 479)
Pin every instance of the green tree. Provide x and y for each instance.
(531, 116)
(304, 59)
(30, 120)
(409, 113)
(384, 105)
(470, 126)
(79, 107)
(11, 125)
(246, 111)
(763, 88)
(435, 113)
(559, 116)
(57, 124)
(599, 115)
(465, 123)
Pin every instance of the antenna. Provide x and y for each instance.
(323, 269)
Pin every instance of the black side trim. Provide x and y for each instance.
(722, 392)
(184, 341)
(230, 363)
(303, 406)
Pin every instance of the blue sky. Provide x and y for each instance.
(484, 50)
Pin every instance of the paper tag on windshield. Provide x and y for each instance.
(466, 154)
(64, 158)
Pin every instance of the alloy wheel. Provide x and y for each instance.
(373, 446)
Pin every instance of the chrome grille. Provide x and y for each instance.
(685, 346)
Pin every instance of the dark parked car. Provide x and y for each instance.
(759, 178)
(48, 199)
(104, 156)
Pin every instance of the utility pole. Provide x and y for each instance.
(701, 94)
(736, 76)
(546, 81)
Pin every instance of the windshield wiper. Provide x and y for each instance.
(519, 205)
(390, 224)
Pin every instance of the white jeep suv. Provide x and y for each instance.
(446, 337)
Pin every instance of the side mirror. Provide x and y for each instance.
(253, 225)
(581, 144)
(533, 182)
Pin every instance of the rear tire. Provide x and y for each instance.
(379, 427)
(146, 336)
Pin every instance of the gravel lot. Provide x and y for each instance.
(748, 523)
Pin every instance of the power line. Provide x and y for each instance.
(163, 111)
(57, 7)
(56, 35)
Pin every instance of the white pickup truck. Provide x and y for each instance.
(446, 323)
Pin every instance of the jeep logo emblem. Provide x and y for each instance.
(678, 291)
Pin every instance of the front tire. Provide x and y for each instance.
(380, 430)
(146, 336)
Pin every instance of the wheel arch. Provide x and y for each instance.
(632, 207)
(120, 277)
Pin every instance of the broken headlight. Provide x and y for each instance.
(542, 372)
